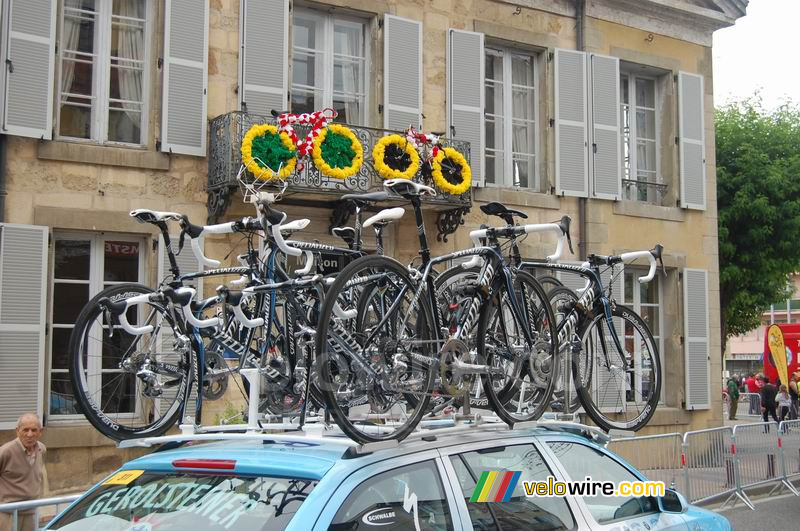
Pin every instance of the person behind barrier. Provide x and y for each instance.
(784, 401)
(733, 396)
(752, 387)
(22, 471)
(768, 403)
(794, 406)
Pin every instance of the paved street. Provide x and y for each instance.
(780, 512)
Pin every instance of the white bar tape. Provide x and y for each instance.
(123, 318)
(187, 311)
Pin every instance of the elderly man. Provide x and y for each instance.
(22, 470)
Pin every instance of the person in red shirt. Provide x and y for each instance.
(752, 387)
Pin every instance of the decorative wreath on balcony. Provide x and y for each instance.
(451, 172)
(268, 153)
(337, 152)
(394, 157)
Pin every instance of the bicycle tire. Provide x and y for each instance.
(593, 410)
(558, 296)
(501, 393)
(79, 344)
(332, 369)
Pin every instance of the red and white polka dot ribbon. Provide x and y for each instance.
(317, 120)
(418, 139)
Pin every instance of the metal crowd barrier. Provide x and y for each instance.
(656, 456)
(749, 405)
(717, 463)
(16, 507)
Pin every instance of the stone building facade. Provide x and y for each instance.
(599, 109)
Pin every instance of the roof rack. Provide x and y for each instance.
(316, 429)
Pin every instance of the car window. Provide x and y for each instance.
(520, 511)
(402, 498)
(177, 502)
(581, 461)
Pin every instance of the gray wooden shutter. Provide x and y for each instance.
(264, 57)
(402, 64)
(465, 95)
(696, 340)
(572, 157)
(23, 277)
(606, 150)
(692, 141)
(29, 57)
(184, 110)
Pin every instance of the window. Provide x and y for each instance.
(329, 62)
(520, 511)
(645, 299)
(103, 78)
(510, 111)
(387, 500)
(581, 461)
(84, 264)
(641, 179)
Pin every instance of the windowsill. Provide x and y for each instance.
(516, 197)
(103, 155)
(648, 210)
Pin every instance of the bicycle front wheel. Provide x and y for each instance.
(369, 365)
(624, 386)
(128, 386)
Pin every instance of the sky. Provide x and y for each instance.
(759, 52)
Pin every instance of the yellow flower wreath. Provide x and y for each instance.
(256, 166)
(327, 169)
(439, 179)
(379, 153)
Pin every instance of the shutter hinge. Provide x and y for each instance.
(155, 244)
(9, 66)
(452, 131)
(236, 89)
(380, 23)
(680, 340)
(552, 122)
(551, 56)
(158, 144)
(677, 140)
(49, 239)
(380, 108)
(47, 329)
(594, 148)
(160, 63)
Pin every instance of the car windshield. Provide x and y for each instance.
(144, 501)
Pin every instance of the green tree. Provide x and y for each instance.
(758, 201)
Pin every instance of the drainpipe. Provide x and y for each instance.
(580, 45)
(3, 140)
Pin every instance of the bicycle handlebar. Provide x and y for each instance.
(653, 256)
(561, 228)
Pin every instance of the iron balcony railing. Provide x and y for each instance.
(225, 159)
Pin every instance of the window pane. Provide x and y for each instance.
(72, 260)
(522, 172)
(304, 101)
(348, 40)
(77, 44)
(581, 461)
(121, 261)
(646, 124)
(68, 301)
(623, 84)
(380, 500)
(60, 356)
(62, 399)
(303, 68)
(304, 31)
(648, 291)
(348, 77)
(126, 83)
(520, 511)
(522, 103)
(494, 98)
(348, 109)
(494, 166)
(645, 93)
(522, 70)
(650, 316)
(629, 283)
(522, 141)
(494, 133)
(494, 64)
(118, 392)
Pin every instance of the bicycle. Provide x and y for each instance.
(390, 367)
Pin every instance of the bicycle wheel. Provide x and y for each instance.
(522, 383)
(549, 283)
(366, 375)
(625, 385)
(127, 385)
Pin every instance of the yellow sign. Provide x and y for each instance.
(778, 350)
(123, 477)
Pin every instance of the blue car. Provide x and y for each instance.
(250, 481)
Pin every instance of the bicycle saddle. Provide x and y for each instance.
(384, 217)
(408, 188)
(348, 234)
(366, 199)
(503, 212)
(144, 215)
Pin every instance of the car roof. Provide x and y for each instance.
(314, 457)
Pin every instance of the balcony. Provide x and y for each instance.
(310, 186)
